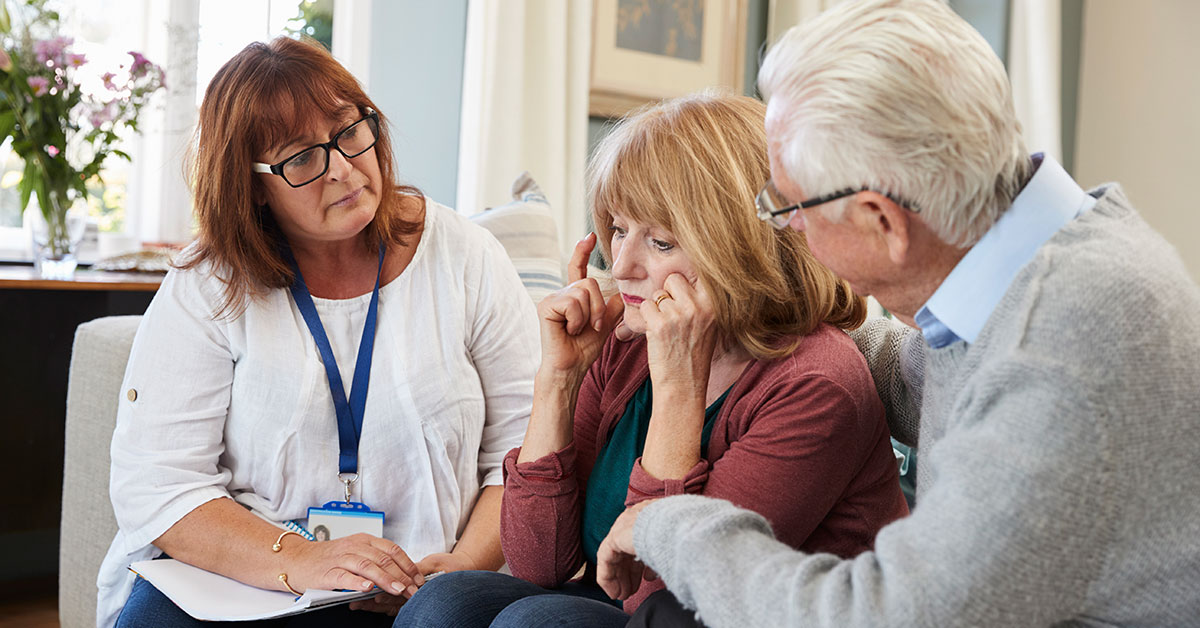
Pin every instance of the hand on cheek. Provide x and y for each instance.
(680, 331)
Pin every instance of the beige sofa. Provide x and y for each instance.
(102, 346)
(525, 227)
(88, 525)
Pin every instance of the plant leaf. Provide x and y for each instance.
(25, 187)
(8, 120)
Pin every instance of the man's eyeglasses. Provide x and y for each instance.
(312, 163)
(772, 207)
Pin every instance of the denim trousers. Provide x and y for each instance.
(147, 607)
(469, 599)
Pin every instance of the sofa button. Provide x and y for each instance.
(131, 395)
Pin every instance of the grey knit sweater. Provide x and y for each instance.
(1059, 479)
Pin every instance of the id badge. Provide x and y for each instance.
(337, 519)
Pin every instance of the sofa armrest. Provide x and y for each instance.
(98, 360)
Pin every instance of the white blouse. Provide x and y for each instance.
(241, 408)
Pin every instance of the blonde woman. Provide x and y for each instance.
(721, 369)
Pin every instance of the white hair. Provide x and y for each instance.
(903, 97)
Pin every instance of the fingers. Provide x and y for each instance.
(577, 266)
(442, 562)
(685, 294)
(579, 305)
(614, 308)
(398, 558)
(607, 575)
(618, 573)
(430, 563)
(599, 309)
(679, 301)
(368, 561)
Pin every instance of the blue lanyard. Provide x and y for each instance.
(349, 414)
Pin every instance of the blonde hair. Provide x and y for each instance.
(693, 166)
(904, 97)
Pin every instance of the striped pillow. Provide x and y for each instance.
(529, 234)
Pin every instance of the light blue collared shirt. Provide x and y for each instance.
(961, 305)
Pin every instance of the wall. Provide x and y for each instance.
(1072, 35)
(1139, 96)
(415, 76)
(756, 35)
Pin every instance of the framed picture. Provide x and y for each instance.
(645, 50)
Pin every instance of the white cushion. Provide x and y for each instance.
(529, 234)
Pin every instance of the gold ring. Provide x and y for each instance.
(660, 298)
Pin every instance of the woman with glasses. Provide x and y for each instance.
(335, 353)
(721, 369)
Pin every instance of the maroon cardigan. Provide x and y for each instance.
(801, 440)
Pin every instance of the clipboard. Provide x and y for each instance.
(211, 597)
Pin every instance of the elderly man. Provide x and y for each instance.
(1059, 479)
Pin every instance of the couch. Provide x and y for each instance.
(526, 229)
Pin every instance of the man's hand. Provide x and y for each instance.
(618, 571)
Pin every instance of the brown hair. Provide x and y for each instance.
(693, 166)
(262, 97)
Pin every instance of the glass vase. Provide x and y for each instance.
(56, 237)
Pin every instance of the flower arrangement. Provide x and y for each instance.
(62, 131)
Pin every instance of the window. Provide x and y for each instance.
(147, 199)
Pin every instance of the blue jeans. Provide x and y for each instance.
(470, 599)
(147, 607)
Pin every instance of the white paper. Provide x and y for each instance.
(211, 597)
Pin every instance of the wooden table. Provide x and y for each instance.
(27, 278)
(38, 318)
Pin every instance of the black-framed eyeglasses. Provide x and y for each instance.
(312, 163)
(772, 207)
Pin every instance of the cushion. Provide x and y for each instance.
(529, 234)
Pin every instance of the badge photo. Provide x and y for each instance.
(337, 519)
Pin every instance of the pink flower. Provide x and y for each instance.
(52, 150)
(141, 65)
(38, 84)
(103, 114)
(6, 63)
(107, 77)
(75, 60)
(51, 50)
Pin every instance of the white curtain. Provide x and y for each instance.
(160, 200)
(524, 106)
(1035, 69)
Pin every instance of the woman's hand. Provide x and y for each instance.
(442, 562)
(445, 562)
(358, 563)
(576, 320)
(680, 336)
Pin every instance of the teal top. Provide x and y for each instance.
(608, 483)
